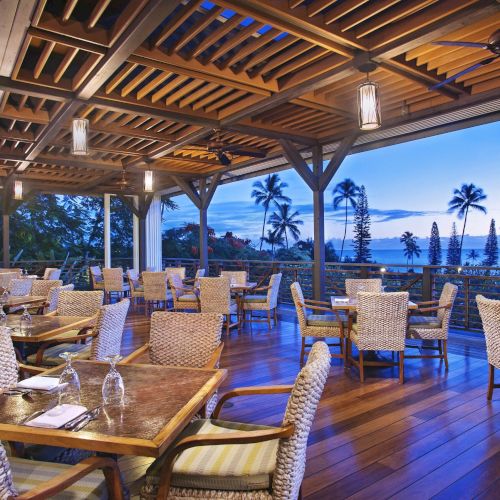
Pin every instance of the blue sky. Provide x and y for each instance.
(408, 187)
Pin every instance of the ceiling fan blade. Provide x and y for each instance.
(224, 159)
(476, 45)
(484, 62)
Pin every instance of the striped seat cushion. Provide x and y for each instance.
(323, 320)
(187, 297)
(241, 467)
(51, 355)
(424, 322)
(256, 298)
(28, 474)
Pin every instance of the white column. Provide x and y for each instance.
(135, 236)
(107, 230)
(153, 235)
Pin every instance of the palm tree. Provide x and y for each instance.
(465, 198)
(267, 192)
(283, 222)
(473, 255)
(345, 191)
(274, 240)
(411, 249)
(167, 205)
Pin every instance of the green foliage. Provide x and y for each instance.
(411, 247)
(345, 192)
(491, 247)
(362, 236)
(435, 254)
(284, 221)
(292, 254)
(453, 252)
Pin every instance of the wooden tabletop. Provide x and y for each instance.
(352, 303)
(238, 287)
(44, 327)
(24, 300)
(159, 402)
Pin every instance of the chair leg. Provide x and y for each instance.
(302, 351)
(401, 367)
(440, 347)
(269, 319)
(361, 367)
(228, 322)
(491, 382)
(275, 316)
(445, 354)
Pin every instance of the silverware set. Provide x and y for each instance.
(73, 425)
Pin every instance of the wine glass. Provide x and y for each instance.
(69, 381)
(5, 297)
(26, 321)
(113, 388)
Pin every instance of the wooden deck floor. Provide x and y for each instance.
(434, 436)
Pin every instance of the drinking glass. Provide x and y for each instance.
(25, 321)
(4, 297)
(69, 381)
(113, 388)
(3, 317)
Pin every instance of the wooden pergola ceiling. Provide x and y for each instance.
(155, 79)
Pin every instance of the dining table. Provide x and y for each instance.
(22, 300)
(345, 303)
(159, 403)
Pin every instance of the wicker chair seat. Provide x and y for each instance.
(51, 355)
(223, 467)
(27, 474)
(188, 297)
(325, 320)
(425, 322)
(256, 298)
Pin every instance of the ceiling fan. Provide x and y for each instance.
(225, 151)
(123, 183)
(493, 46)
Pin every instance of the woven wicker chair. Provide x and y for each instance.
(179, 271)
(136, 288)
(6, 278)
(20, 287)
(96, 278)
(489, 311)
(213, 445)
(113, 283)
(155, 290)
(215, 297)
(105, 336)
(329, 325)
(354, 286)
(53, 296)
(260, 302)
(381, 326)
(200, 273)
(235, 277)
(433, 327)
(51, 273)
(41, 288)
(184, 297)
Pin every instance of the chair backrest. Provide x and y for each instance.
(79, 303)
(109, 326)
(95, 275)
(53, 296)
(215, 295)
(20, 286)
(155, 285)
(179, 271)
(298, 299)
(113, 279)
(133, 278)
(184, 339)
(235, 277)
(176, 285)
(41, 288)
(382, 320)
(272, 293)
(354, 286)
(6, 278)
(52, 273)
(448, 296)
(489, 310)
(200, 273)
(8, 362)
(7, 488)
(300, 411)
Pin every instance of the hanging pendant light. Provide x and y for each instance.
(369, 106)
(18, 190)
(148, 181)
(80, 130)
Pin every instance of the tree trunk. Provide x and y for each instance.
(286, 239)
(263, 228)
(345, 232)
(462, 238)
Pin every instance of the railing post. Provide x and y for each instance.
(363, 272)
(426, 283)
(466, 302)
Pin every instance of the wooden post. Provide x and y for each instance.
(135, 237)
(319, 228)
(6, 240)
(426, 283)
(107, 230)
(142, 244)
(203, 240)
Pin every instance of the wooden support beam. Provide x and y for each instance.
(210, 191)
(6, 239)
(318, 227)
(338, 157)
(189, 189)
(299, 164)
(131, 205)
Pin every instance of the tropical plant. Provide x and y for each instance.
(411, 248)
(491, 247)
(468, 197)
(435, 255)
(473, 255)
(362, 236)
(274, 240)
(345, 192)
(267, 192)
(167, 205)
(284, 221)
(453, 252)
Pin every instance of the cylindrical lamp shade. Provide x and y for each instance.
(18, 190)
(369, 106)
(148, 181)
(80, 136)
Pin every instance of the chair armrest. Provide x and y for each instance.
(215, 358)
(70, 476)
(431, 309)
(53, 313)
(317, 308)
(262, 289)
(323, 302)
(251, 391)
(134, 355)
(214, 440)
(32, 370)
(427, 302)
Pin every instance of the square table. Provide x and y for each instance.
(44, 327)
(23, 300)
(159, 402)
(352, 303)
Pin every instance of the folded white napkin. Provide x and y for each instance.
(342, 301)
(39, 383)
(58, 416)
